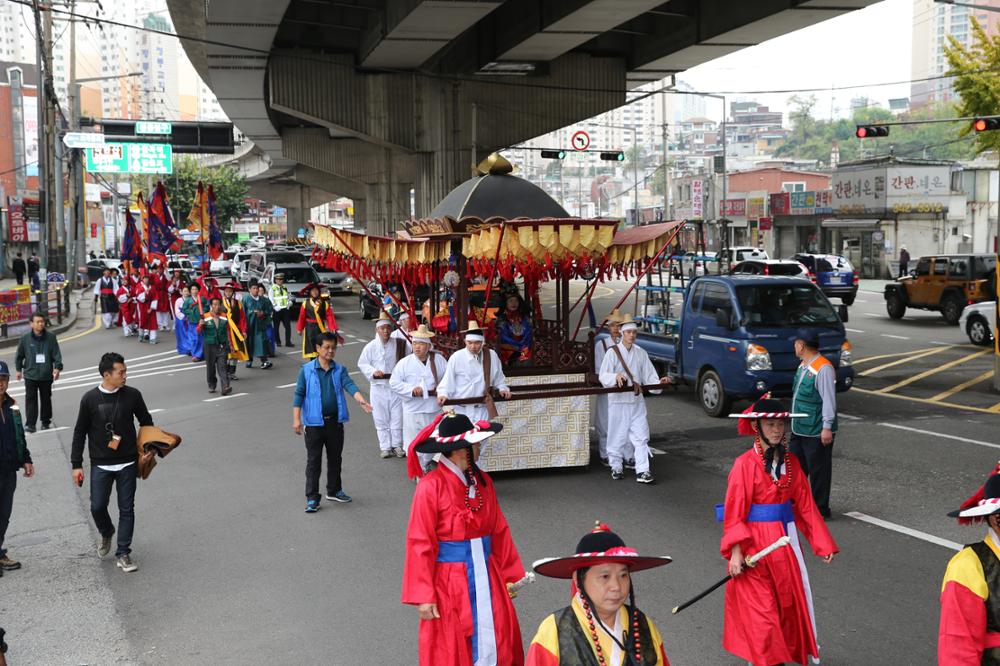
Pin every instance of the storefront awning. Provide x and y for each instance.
(834, 223)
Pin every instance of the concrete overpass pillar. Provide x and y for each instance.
(298, 217)
(388, 206)
(360, 214)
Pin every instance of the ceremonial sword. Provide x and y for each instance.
(750, 562)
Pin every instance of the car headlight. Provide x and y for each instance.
(845, 354)
(758, 358)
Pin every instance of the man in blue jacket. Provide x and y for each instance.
(14, 455)
(319, 411)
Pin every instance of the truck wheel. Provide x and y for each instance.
(951, 309)
(712, 394)
(895, 307)
(979, 332)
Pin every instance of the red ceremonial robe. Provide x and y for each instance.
(145, 297)
(768, 617)
(161, 287)
(126, 303)
(439, 514)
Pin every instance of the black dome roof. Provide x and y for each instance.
(498, 194)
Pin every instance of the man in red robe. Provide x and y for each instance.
(145, 297)
(769, 616)
(126, 307)
(460, 558)
(161, 286)
(969, 633)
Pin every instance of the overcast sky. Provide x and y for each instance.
(866, 47)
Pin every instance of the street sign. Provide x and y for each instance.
(153, 127)
(580, 140)
(131, 158)
(83, 139)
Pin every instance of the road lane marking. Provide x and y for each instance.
(94, 382)
(97, 325)
(961, 387)
(873, 314)
(657, 452)
(925, 401)
(225, 397)
(160, 409)
(912, 357)
(848, 416)
(895, 337)
(287, 385)
(130, 363)
(931, 433)
(852, 330)
(902, 529)
(933, 371)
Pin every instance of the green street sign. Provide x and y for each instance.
(153, 127)
(131, 158)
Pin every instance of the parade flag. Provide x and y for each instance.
(162, 238)
(132, 243)
(200, 217)
(214, 233)
(140, 204)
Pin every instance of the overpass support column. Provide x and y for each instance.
(388, 206)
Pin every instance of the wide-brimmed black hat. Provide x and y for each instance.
(456, 431)
(984, 502)
(599, 546)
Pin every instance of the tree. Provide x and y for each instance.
(182, 186)
(977, 81)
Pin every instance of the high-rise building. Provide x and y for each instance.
(933, 23)
(158, 63)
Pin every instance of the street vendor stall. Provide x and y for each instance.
(500, 234)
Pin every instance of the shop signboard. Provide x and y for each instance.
(824, 202)
(734, 207)
(756, 208)
(18, 225)
(779, 202)
(697, 199)
(802, 203)
(895, 189)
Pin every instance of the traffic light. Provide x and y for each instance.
(617, 156)
(986, 124)
(871, 131)
(553, 154)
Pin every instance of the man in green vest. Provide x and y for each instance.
(281, 300)
(814, 393)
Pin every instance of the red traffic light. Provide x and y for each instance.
(986, 124)
(871, 131)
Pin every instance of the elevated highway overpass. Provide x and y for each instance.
(372, 98)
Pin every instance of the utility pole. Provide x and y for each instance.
(666, 160)
(44, 75)
(75, 226)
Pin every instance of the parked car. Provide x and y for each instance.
(183, 265)
(238, 260)
(778, 267)
(241, 272)
(221, 266)
(977, 322)
(338, 283)
(735, 255)
(297, 277)
(736, 333)
(946, 283)
(835, 276)
(95, 269)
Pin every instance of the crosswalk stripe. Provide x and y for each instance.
(224, 397)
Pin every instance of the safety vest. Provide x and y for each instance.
(806, 399)
(279, 297)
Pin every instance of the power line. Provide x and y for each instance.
(18, 168)
(498, 80)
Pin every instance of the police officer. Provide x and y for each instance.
(282, 302)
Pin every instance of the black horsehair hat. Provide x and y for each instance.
(599, 546)
(456, 431)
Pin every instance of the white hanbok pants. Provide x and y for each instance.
(163, 320)
(387, 412)
(474, 412)
(108, 319)
(601, 428)
(413, 423)
(628, 424)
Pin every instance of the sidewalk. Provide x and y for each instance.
(58, 608)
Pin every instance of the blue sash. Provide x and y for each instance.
(474, 553)
(764, 513)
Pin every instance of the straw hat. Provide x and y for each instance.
(422, 334)
(384, 319)
(615, 317)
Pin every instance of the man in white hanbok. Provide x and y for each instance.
(377, 360)
(465, 375)
(627, 364)
(415, 380)
(601, 348)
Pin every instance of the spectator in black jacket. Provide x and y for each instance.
(34, 265)
(107, 421)
(19, 268)
(14, 455)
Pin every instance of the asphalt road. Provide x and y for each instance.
(232, 571)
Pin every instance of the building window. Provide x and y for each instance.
(797, 186)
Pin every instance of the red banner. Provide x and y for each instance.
(780, 203)
(734, 207)
(17, 222)
(765, 223)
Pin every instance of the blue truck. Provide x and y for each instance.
(734, 337)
